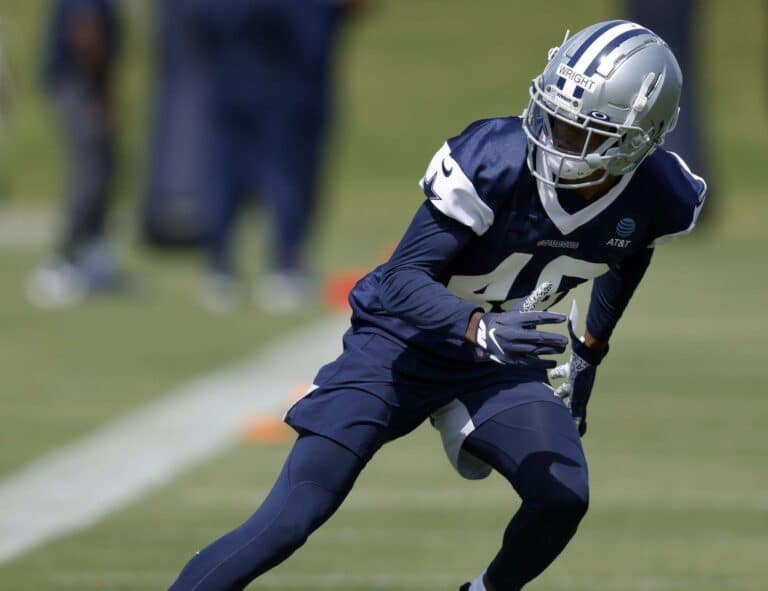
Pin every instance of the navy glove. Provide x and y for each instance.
(511, 338)
(579, 374)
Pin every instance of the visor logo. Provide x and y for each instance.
(580, 80)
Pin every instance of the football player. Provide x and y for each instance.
(518, 211)
(81, 58)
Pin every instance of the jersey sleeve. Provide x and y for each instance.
(611, 293)
(410, 288)
(681, 199)
(472, 174)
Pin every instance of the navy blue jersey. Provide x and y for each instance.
(490, 233)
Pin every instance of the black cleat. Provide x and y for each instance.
(464, 587)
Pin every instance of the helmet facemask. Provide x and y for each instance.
(567, 148)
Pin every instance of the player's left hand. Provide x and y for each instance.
(579, 374)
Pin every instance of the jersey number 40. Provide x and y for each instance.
(496, 286)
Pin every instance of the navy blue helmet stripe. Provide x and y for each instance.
(591, 39)
(592, 67)
(584, 46)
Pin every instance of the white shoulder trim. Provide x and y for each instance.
(696, 211)
(450, 191)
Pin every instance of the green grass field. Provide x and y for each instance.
(676, 450)
(676, 445)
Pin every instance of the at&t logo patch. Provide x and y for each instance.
(624, 229)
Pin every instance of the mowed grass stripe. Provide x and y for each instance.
(447, 497)
(393, 580)
(76, 485)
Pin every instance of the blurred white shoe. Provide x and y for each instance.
(219, 293)
(285, 292)
(62, 282)
(56, 284)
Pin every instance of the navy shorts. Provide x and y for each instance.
(378, 390)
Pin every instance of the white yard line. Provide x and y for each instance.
(75, 486)
(26, 228)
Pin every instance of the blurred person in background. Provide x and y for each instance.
(172, 213)
(5, 83)
(82, 50)
(678, 22)
(5, 101)
(270, 74)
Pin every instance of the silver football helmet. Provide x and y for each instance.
(606, 99)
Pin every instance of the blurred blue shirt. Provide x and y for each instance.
(60, 59)
(264, 53)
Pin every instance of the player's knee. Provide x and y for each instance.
(287, 535)
(564, 505)
(318, 503)
(563, 502)
(307, 508)
(558, 488)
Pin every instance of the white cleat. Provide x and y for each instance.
(57, 284)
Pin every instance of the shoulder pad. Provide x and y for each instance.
(681, 195)
(474, 172)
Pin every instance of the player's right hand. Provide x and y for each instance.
(511, 338)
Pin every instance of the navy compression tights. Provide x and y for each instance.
(534, 446)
